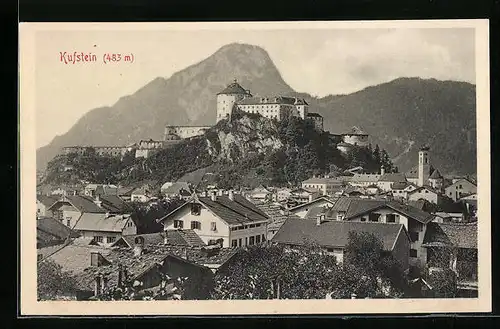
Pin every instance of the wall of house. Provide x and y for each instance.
(225, 105)
(359, 140)
(301, 212)
(385, 186)
(130, 228)
(206, 217)
(242, 237)
(400, 219)
(40, 209)
(459, 189)
(139, 198)
(104, 235)
(424, 194)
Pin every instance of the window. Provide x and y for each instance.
(413, 252)
(234, 243)
(252, 225)
(110, 239)
(252, 240)
(239, 242)
(68, 222)
(363, 219)
(195, 209)
(391, 218)
(373, 217)
(178, 224)
(212, 242)
(413, 236)
(257, 239)
(213, 226)
(246, 241)
(195, 225)
(98, 238)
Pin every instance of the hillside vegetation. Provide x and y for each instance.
(246, 151)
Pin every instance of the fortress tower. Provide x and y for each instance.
(423, 166)
(226, 98)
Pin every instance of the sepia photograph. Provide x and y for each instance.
(283, 163)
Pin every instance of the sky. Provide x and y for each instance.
(319, 62)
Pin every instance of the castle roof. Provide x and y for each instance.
(356, 131)
(268, 100)
(234, 88)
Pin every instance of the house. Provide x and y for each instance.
(425, 173)
(277, 217)
(400, 190)
(64, 190)
(387, 180)
(302, 209)
(360, 179)
(69, 209)
(304, 195)
(333, 236)
(454, 246)
(282, 194)
(177, 189)
(385, 211)
(105, 228)
(325, 185)
(426, 193)
(231, 219)
(460, 188)
(470, 202)
(113, 204)
(125, 193)
(43, 202)
(172, 237)
(141, 194)
(356, 136)
(93, 190)
(50, 231)
(260, 193)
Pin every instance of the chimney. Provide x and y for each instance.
(231, 195)
(213, 196)
(382, 170)
(139, 246)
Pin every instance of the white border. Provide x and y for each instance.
(28, 303)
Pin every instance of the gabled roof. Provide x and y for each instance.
(47, 200)
(425, 187)
(50, 229)
(114, 204)
(100, 222)
(451, 235)
(314, 115)
(314, 212)
(334, 233)
(174, 237)
(233, 212)
(413, 172)
(436, 175)
(331, 201)
(393, 177)
(233, 88)
(369, 178)
(176, 188)
(356, 131)
(84, 204)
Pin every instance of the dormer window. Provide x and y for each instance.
(195, 209)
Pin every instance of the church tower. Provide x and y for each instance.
(228, 97)
(423, 166)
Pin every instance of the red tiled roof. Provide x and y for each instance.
(334, 233)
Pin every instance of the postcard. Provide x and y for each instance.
(237, 168)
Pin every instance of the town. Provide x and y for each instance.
(188, 240)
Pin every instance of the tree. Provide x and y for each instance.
(444, 283)
(52, 282)
(376, 154)
(265, 272)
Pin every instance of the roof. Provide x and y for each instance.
(354, 207)
(51, 231)
(342, 144)
(47, 200)
(99, 222)
(314, 212)
(175, 237)
(276, 216)
(413, 172)
(268, 100)
(82, 203)
(425, 187)
(140, 191)
(233, 88)
(322, 180)
(436, 175)
(114, 204)
(334, 233)
(368, 178)
(320, 199)
(392, 177)
(315, 115)
(451, 234)
(125, 191)
(236, 212)
(356, 131)
(399, 185)
(176, 188)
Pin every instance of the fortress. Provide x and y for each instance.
(234, 95)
